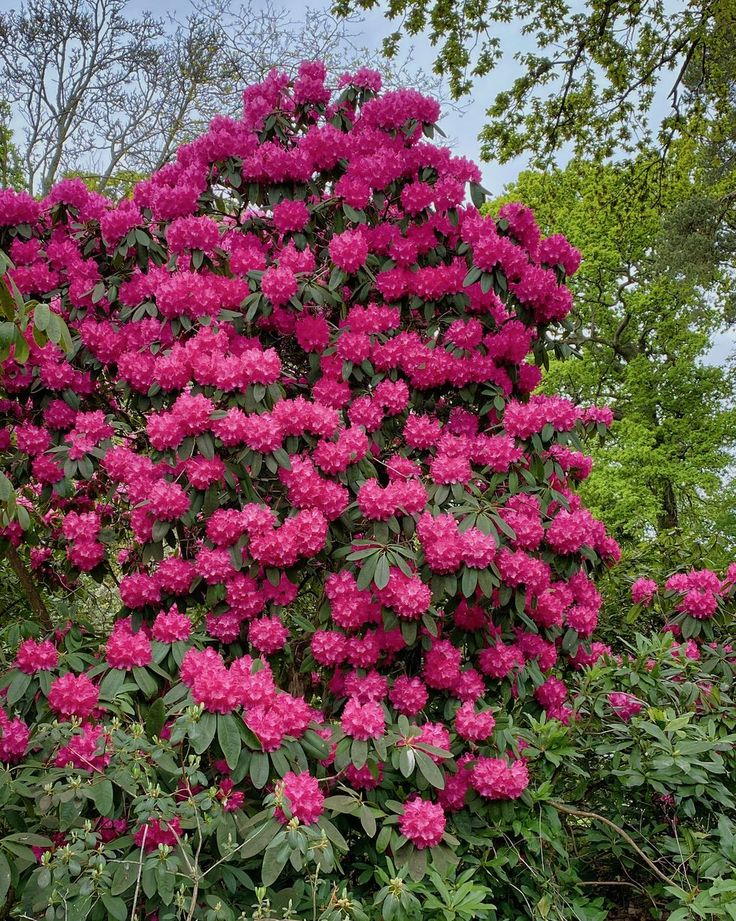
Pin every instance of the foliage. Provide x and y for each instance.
(592, 75)
(292, 432)
(662, 771)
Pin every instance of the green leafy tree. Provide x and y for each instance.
(643, 332)
(11, 170)
(592, 73)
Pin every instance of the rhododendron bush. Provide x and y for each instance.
(291, 426)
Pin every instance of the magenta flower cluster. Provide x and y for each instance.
(301, 381)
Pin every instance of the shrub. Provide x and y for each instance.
(280, 401)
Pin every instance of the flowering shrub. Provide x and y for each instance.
(292, 427)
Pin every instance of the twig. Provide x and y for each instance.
(568, 810)
(140, 872)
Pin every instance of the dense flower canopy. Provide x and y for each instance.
(295, 427)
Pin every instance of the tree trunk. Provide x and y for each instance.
(668, 519)
(29, 588)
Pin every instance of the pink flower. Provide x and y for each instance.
(33, 656)
(498, 778)
(363, 721)
(171, 626)
(624, 705)
(312, 333)
(157, 831)
(423, 823)
(473, 726)
(13, 738)
(303, 797)
(349, 250)
(267, 634)
(290, 216)
(86, 751)
(279, 285)
(442, 665)
(167, 501)
(127, 650)
(366, 778)
(408, 695)
(328, 647)
(73, 695)
(231, 800)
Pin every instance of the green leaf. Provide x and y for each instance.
(274, 860)
(111, 683)
(24, 520)
(115, 906)
(159, 530)
(333, 834)
(5, 878)
(102, 796)
(228, 735)
(342, 803)
(202, 737)
(359, 753)
(384, 836)
(17, 688)
(41, 316)
(417, 864)
(382, 573)
(429, 770)
(367, 820)
(407, 761)
(155, 718)
(256, 841)
(29, 839)
(476, 195)
(367, 570)
(282, 458)
(469, 581)
(280, 762)
(6, 488)
(259, 769)
(145, 681)
(166, 880)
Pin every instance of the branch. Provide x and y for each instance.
(29, 588)
(568, 810)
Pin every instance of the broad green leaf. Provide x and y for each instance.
(274, 860)
(259, 769)
(429, 770)
(102, 796)
(228, 735)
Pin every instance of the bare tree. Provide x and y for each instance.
(62, 62)
(111, 96)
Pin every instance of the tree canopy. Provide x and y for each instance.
(592, 73)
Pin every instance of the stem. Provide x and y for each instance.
(314, 893)
(140, 872)
(568, 810)
(29, 587)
